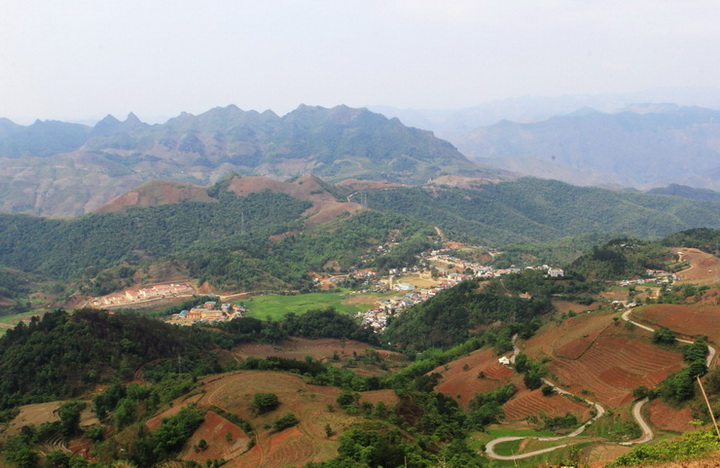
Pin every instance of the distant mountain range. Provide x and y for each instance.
(61, 169)
(453, 123)
(643, 146)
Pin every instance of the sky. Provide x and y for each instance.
(80, 60)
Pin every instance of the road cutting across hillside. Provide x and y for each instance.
(647, 433)
(490, 447)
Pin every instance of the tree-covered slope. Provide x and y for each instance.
(536, 210)
(449, 317)
(255, 242)
(62, 355)
(66, 248)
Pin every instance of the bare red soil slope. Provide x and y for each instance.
(155, 193)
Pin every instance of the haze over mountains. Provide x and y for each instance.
(60, 169)
(63, 169)
(642, 146)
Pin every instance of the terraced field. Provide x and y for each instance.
(533, 403)
(613, 366)
(226, 439)
(462, 378)
(690, 320)
(294, 446)
(569, 338)
(668, 418)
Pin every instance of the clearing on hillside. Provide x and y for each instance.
(40, 413)
(479, 371)
(359, 357)
(687, 319)
(704, 267)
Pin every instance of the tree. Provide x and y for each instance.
(265, 402)
(70, 417)
(663, 335)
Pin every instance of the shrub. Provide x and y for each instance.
(265, 402)
(289, 420)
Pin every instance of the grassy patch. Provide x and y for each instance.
(499, 432)
(508, 448)
(275, 306)
(616, 427)
(12, 320)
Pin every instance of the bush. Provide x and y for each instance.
(547, 390)
(692, 444)
(289, 420)
(346, 399)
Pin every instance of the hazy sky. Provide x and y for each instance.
(82, 59)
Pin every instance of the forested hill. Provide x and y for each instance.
(449, 318)
(58, 169)
(253, 243)
(62, 355)
(533, 210)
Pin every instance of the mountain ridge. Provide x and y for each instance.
(52, 173)
(642, 146)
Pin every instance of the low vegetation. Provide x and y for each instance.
(691, 445)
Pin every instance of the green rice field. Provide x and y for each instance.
(275, 306)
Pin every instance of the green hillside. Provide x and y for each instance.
(535, 210)
(226, 243)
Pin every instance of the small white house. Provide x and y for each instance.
(504, 361)
(555, 273)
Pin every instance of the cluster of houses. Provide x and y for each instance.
(157, 292)
(209, 312)
(652, 276)
(485, 271)
(377, 317)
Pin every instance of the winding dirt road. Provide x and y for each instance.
(637, 408)
(647, 433)
(490, 447)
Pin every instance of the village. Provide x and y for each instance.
(377, 317)
(209, 311)
(439, 271)
(131, 297)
